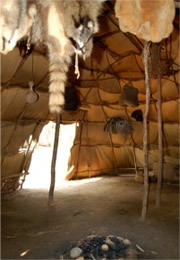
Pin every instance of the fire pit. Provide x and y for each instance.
(101, 247)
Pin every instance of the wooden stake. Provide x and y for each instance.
(53, 163)
(160, 138)
(145, 138)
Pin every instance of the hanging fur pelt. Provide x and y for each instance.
(66, 27)
(118, 125)
(150, 20)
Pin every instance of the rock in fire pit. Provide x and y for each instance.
(99, 247)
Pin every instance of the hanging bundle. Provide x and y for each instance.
(72, 101)
(76, 64)
(118, 125)
(129, 96)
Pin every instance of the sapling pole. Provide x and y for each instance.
(53, 163)
(145, 137)
(160, 138)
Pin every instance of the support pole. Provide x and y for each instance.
(145, 138)
(160, 138)
(53, 163)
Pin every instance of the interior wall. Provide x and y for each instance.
(116, 60)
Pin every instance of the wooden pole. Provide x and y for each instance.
(53, 163)
(81, 124)
(145, 138)
(160, 138)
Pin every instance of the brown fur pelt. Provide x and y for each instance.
(150, 20)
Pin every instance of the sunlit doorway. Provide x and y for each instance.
(40, 168)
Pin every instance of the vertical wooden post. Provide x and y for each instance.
(81, 125)
(160, 138)
(53, 163)
(145, 138)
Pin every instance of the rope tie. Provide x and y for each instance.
(76, 64)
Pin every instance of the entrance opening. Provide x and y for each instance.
(40, 168)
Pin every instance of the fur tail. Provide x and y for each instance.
(58, 68)
(60, 52)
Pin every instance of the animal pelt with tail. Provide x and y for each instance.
(64, 26)
(150, 20)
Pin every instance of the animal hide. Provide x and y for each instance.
(64, 26)
(150, 20)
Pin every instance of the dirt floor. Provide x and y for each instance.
(101, 206)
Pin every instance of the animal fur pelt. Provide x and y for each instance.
(66, 27)
(150, 20)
